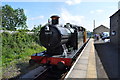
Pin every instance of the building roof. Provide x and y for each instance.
(115, 13)
(100, 27)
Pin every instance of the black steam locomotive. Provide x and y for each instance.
(61, 42)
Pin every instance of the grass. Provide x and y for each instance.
(24, 57)
(17, 48)
(8, 59)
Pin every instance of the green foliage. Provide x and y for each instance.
(20, 18)
(36, 33)
(18, 46)
(0, 50)
(13, 18)
(36, 29)
(0, 16)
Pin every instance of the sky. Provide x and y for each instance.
(79, 12)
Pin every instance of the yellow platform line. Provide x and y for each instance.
(91, 71)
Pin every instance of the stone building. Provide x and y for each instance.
(101, 29)
(115, 35)
(115, 29)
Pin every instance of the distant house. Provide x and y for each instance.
(101, 29)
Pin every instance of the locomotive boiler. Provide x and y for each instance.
(57, 38)
(61, 42)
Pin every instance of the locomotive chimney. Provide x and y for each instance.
(55, 19)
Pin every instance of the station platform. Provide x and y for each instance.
(85, 65)
(109, 57)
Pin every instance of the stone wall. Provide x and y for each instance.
(115, 34)
(115, 29)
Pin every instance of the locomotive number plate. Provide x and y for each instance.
(48, 33)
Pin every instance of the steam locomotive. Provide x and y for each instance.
(61, 42)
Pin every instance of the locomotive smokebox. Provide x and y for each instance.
(55, 19)
(54, 36)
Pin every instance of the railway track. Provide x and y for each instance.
(34, 73)
(49, 72)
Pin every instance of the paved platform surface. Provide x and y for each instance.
(85, 65)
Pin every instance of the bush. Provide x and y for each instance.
(18, 45)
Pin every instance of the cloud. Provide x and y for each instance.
(73, 2)
(97, 11)
(66, 17)
(26, 11)
(36, 18)
(68, 1)
(92, 12)
(105, 22)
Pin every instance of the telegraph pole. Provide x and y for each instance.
(94, 24)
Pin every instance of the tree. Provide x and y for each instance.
(36, 29)
(13, 18)
(20, 19)
(7, 17)
(0, 16)
(36, 33)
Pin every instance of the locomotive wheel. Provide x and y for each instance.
(32, 62)
(60, 66)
